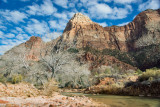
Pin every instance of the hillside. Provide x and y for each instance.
(92, 49)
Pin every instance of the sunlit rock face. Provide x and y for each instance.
(144, 30)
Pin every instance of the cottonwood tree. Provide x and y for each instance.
(65, 68)
(57, 59)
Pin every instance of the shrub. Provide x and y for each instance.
(16, 78)
(122, 56)
(2, 79)
(50, 87)
(73, 50)
(139, 71)
(107, 71)
(150, 74)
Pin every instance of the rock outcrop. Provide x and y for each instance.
(82, 32)
(144, 30)
(35, 47)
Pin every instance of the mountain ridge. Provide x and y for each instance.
(82, 32)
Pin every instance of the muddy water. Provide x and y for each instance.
(123, 101)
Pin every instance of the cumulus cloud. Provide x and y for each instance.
(50, 36)
(1, 34)
(22, 37)
(35, 27)
(62, 3)
(13, 16)
(44, 9)
(126, 1)
(5, 1)
(99, 10)
(4, 48)
(8, 44)
(58, 25)
(150, 4)
(9, 35)
(104, 24)
(103, 11)
(61, 16)
(122, 24)
(24, 0)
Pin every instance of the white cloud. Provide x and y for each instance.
(119, 13)
(5, 1)
(61, 15)
(1, 34)
(35, 27)
(22, 37)
(99, 10)
(72, 5)
(57, 25)
(19, 30)
(122, 24)
(9, 35)
(104, 24)
(24, 0)
(3, 27)
(62, 3)
(150, 4)
(8, 44)
(13, 16)
(125, 1)
(50, 36)
(104, 11)
(44, 9)
(4, 48)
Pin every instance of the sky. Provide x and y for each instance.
(21, 19)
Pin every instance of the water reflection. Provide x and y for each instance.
(123, 101)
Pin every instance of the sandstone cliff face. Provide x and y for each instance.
(82, 32)
(34, 47)
(31, 50)
(144, 30)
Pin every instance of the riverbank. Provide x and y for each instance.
(24, 95)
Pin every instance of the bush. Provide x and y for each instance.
(73, 50)
(16, 78)
(2, 79)
(122, 56)
(150, 75)
(107, 71)
(50, 87)
(139, 71)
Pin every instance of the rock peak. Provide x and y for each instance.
(79, 17)
(33, 41)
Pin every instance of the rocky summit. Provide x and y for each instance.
(142, 31)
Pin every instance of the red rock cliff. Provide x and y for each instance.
(144, 30)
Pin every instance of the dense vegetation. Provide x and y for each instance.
(144, 58)
(147, 84)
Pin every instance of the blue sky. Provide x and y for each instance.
(21, 19)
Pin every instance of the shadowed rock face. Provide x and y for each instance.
(144, 30)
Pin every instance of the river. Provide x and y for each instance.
(123, 101)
